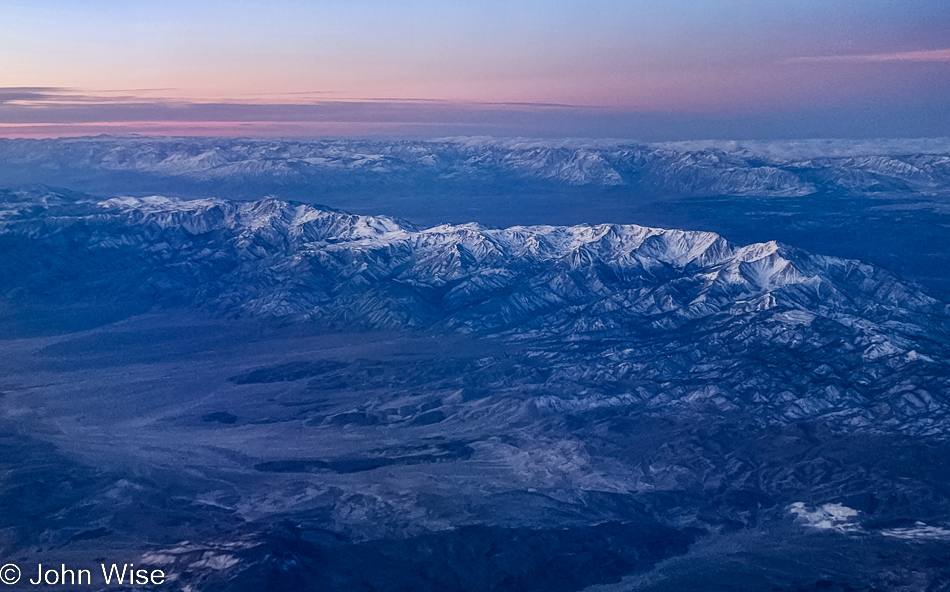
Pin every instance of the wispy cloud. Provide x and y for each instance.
(58, 96)
(46, 112)
(233, 128)
(926, 55)
(28, 94)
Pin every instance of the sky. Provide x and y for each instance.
(637, 69)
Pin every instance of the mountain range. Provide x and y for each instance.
(777, 169)
(258, 393)
(688, 303)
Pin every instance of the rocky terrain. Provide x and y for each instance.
(275, 395)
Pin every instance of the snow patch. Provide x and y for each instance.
(919, 531)
(836, 517)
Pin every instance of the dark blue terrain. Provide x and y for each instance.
(477, 364)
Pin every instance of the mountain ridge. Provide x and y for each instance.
(621, 304)
(706, 168)
(701, 271)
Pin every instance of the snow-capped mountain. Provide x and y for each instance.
(277, 258)
(690, 169)
(266, 393)
(647, 300)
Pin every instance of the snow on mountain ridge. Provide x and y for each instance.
(624, 304)
(803, 149)
(320, 263)
(778, 169)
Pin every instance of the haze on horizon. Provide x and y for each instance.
(680, 69)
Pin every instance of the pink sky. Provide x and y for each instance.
(305, 68)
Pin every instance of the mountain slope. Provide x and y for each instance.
(661, 314)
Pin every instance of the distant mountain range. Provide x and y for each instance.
(691, 169)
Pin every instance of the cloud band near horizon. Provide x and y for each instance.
(39, 113)
(922, 56)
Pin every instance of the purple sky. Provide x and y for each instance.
(677, 69)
